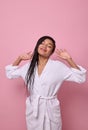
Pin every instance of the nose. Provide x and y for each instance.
(44, 45)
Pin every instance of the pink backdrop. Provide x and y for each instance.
(22, 22)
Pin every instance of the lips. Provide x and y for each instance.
(43, 49)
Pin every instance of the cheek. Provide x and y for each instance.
(49, 51)
(39, 48)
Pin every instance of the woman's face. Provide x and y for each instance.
(45, 48)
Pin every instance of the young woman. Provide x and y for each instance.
(43, 78)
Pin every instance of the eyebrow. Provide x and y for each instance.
(50, 44)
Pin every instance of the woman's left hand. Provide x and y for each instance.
(63, 54)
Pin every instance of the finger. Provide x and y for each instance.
(65, 50)
(61, 50)
(29, 52)
(57, 50)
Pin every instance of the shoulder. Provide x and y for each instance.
(25, 66)
(57, 63)
(60, 67)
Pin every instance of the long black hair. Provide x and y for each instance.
(30, 73)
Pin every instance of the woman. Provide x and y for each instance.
(43, 78)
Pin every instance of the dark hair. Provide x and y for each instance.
(30, 73)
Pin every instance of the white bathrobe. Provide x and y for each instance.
(42, 106)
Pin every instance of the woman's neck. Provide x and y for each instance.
(42, 60)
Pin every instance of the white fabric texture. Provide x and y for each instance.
(42, 106)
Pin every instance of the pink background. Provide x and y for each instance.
(22, 22)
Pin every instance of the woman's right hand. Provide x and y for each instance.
(26, 56)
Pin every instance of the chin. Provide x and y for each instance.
(43, 55)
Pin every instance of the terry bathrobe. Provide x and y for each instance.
(42, 106)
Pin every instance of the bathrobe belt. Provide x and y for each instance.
(36, 102)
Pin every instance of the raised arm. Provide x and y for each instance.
(14, 71)
(63, 54)
(76, 73)
(26, 56)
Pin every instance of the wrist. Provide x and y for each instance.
(69, 59)
(20, 58)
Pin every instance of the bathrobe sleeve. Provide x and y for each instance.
(16, 71)
(75, 75)
(70, 74)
